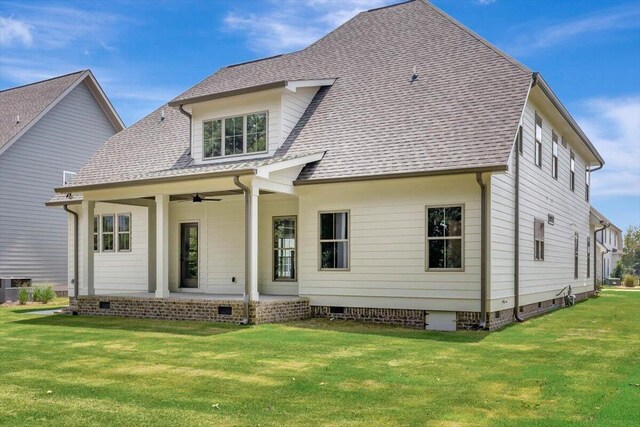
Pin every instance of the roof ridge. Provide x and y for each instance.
(476, 36)
(44, 81)
(390, 5)
(255, 60)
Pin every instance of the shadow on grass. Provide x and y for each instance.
(174, 327)
(355, 327)
(25, 309)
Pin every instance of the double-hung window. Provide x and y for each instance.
(284, 248)
(587, 183)
(124, 232)
(572, 171)
(236, 135)
(108, 227)
(576, 248)
(334, 240)
(520, 141)
(445, 238)
(554, 155)
(538, 239)
(96, 233)
(588, 256)
(538, 146)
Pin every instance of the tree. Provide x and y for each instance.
(631, 257)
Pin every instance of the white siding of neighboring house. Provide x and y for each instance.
(284, 110)
(387, 244)
(540, 195)
(612, 241)
(33, 238)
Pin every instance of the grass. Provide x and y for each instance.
(577, 366)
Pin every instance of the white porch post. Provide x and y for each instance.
(162, 246)
(253, 244)
(87, 288)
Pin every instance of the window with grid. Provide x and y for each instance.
(587, 183)
(554, 155)
(538, 239)
(572, 171)
(576, 248)
(236, 135)
(124, 232)
(588, 256)
(334, 240)
(538, 146)
(284, 248)
(445, 238)
(96, 233)
(108, 232)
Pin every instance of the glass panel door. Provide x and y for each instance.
(189, 255)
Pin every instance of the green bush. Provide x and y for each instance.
(618, 271)
(43, 294)
(629, 280)
(23, 296)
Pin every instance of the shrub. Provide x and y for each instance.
(23, 296)
(618, 271)
(43, 294)
(599, 285)
(629, 280)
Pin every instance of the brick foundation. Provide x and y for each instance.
(228, 311)
(410, 318)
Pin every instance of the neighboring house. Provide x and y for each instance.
(400, 169)
(609, 245)
(48, 130)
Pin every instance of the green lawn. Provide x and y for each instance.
(576, 366)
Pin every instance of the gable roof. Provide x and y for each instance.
(21, 107)
(461, 114)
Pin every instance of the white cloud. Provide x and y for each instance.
(613, 125)
(14, 31)
(301, 24)
(612, 19)
(484, 2)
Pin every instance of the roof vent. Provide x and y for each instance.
(18, 119)
(414, 76)
(162, 115)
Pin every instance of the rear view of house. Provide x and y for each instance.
(48, 130)
(400, 169)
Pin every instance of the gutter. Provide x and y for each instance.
(516, 242)
(247, 249)
(605, 225)
(483, 252)
(75, 249)
(186, 113)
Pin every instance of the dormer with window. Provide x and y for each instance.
(249, 125)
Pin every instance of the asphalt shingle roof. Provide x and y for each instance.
(28, 102)
(462, 112)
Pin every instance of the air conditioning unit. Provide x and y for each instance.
(9, 287)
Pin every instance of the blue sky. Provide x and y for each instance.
(146, 52)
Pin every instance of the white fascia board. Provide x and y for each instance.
(293, 85)
(264, 171)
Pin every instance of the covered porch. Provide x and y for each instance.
(202, 242)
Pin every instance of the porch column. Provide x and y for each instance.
(162, 246)
(151, 241)
(252, 222)
(87, 288)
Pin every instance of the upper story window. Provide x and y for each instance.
(554, 155)
(236, 135)
(572, 172)
(587, 183)
(520, 142)
(538, 146)
(67, 177)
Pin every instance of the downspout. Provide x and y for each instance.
(483, 252)
(595, 255)
(186, 113)
(75, 249)
(247, 242)
(516, 243)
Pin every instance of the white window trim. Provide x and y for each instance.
(348, 240)
(535, 241)
(275, 250)
(554, 155)
(461, 237)
(65, 181)
(244, 136)
(537, 151)
(102, 232)
(98, 234)
(118, 232)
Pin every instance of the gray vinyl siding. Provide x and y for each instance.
(33, 238)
